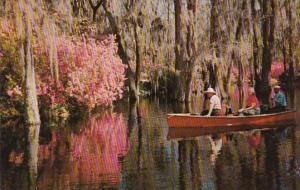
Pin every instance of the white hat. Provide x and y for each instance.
(210, 90)
(277, 86)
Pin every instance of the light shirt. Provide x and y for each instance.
(279, 99)
(215, 102)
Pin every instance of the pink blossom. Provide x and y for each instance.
(89, 71)
(10, 93)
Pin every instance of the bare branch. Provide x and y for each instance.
(95, 7)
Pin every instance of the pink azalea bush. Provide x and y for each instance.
(277, 69)
(89, 71)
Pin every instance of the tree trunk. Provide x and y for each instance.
(213, 41)
(179, 48)
(212, 75)
(94, 14)
(214, 24)
(291, 43)
(54, 61)
(138, 58)
(133, 93)
(268, 26)
(291, 66)
(31, 104)
(185, 51)
(95, 8)
(191, 49)
(21, 51)
(240, 81)
(31, 108)
(256, 77)
(284, 55)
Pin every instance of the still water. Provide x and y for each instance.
(129, 148)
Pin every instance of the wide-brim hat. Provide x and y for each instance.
(277, 87)
(210, 90)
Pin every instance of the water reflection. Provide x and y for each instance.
(254, 139)
(252, 159)
(32, 142)
(130, 149)
(216, 145)
(19, 157)
(88, 158)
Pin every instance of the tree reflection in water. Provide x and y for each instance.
(130, 150)
(32, 141)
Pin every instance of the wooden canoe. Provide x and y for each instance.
(264, 120)
(190, 132)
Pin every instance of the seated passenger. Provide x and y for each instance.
(253, 105)
(279, 101)
(225, 108)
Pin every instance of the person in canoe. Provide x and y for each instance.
(252, 105)
(225, 108)
(279, 101)
(215, 103)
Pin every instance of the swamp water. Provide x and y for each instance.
(129, 148)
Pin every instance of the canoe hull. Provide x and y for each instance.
(190, 132)
(188, 120)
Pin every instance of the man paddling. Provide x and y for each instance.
(215, 103)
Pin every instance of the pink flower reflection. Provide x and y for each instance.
(92, 155)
